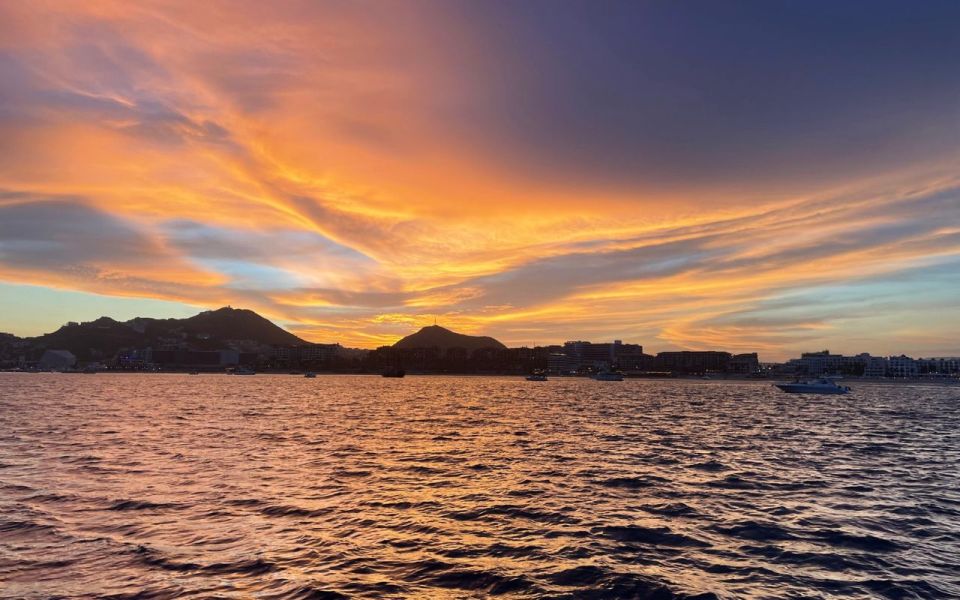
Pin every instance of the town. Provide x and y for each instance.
(228, 338)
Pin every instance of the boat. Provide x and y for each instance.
(608, 376)
(393, 372)
(310, 375)
(813, 386)
(242, 371)
(537, 377)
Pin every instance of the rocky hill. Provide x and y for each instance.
(211, 330)
(435, 336)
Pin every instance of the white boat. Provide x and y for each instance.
(813, 386)
(608, 376)
(537, 377)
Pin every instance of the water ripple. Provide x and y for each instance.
(286, 488)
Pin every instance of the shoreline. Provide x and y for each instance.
(944, 381)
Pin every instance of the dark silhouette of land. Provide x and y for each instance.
(435, 336)
(228, 338)
(104, 338)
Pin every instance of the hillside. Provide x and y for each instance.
(435, 336)
(211, 330)
(239, 323)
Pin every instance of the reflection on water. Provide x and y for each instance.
(286, 487)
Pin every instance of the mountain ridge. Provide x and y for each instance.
(435, 336)
(209, 330)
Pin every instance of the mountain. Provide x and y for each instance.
(239, 323)
(435, 336)
(211, 330)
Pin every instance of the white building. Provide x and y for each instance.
(875, 366)
(946, 365)
(903, 366)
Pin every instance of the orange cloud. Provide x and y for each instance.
(327, 166)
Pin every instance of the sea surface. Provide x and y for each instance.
(281, 487)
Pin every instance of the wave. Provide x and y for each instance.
(513, 511)
(597, 583)
(120, 505)
(655, 536)
(286, 510)
(754, 530)
(634, 483)
(253, 566)
(865, 542)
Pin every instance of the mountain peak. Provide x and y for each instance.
(228, 322)
(435, 336)
(209, 330)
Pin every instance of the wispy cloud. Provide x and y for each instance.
(543, 177)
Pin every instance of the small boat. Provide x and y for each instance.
(310, 375)
(393, 372)
(242, 371)
(608, 376)
(813, 386)
(537, 377)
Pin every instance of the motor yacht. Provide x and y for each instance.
(608, 376)
(813, 386)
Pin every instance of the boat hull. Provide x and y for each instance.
(608, 377)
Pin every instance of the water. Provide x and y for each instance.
(161, 486)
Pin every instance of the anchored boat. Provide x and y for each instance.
(813, 386)
(608, 376)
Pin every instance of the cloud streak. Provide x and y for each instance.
(551, 174)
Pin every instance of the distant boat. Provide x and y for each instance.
(242, 371)
(813, 386)
(393, 372)
(537, 377)
(310, 375)
(608, 376)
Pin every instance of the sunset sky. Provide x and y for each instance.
(752, 176)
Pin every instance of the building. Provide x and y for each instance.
(691, 361)
(589, 356)
(823, 363)
(57, 360)
(744, 364)
(308, 354)
(903, 366)
(875, 366)
(628, 357)
(816, 364)
(939, 366)
(561, 362)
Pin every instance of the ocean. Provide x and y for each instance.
(282, 487)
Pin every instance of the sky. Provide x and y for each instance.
(758, 176)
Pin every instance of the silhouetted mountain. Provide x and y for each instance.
(211, 330)
(239, 323)
(435, 336)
